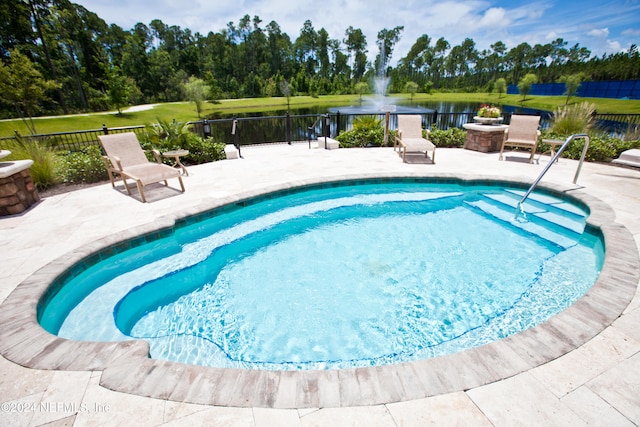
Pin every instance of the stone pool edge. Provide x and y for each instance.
(127, 368)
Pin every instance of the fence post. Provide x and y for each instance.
(327, 125)
(236, 136)
(288, 127)
(435, 119)
(105, 129)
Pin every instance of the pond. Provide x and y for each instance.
(373, 105)
(305, 123)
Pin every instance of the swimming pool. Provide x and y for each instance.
(472, 232)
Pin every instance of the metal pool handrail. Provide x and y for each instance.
(553, 160)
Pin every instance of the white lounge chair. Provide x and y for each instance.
(409, 138)
(126, 158)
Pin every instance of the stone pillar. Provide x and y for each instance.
(17, 190)
(484, 138)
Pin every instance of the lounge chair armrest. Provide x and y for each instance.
(107, 162)
(115, 162)
(398, 139)
(427, 132)
(156, 154)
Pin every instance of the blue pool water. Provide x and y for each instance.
(349, 275)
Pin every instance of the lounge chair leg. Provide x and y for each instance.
(141, 191)
(181, 184)
(107, 165)
(124, 180)
(113, 184)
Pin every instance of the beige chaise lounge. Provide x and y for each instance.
(522, 133)
(125, 157)
(409, 138)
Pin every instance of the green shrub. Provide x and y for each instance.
(204, 150)
(367, 131)
(450, 138)
(85, 166)
(168, 136)
(602, 147)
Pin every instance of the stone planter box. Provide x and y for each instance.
(17, 190)
(484, 138)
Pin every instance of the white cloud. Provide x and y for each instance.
(551, 35)
(495, 17)
(599, 32)
(614, 46)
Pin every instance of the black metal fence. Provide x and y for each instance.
(295, 128)
(618, 124)
(73, 141)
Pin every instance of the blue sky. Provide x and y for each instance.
(602, 26)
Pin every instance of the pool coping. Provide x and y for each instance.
(127, 368)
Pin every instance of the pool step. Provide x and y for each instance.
(555, 225)
(547, 208)
(551, 203)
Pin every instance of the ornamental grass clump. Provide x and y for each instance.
(43, 171)
(573, 119)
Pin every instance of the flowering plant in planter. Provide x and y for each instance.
(488, 111)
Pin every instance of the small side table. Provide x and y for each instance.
(176, 154)
(553, 143)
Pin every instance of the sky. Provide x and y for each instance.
(602, 26)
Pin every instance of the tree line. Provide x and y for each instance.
(66, 59)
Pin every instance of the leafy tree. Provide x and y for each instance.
(306, 48)
(197, 92)
(285, 88)
(323, 52)
(412, 88)
(500, 86)
(387, 40)
(361, 88)
(356, 43)
(39, 8)
(15, 27)
(428, 86)
(22, 86)
(518, 59)
(572, 84)
(120, 89)
(524, 86)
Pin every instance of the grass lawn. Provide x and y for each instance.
(185, 111)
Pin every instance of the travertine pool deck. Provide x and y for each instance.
(580, 368)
